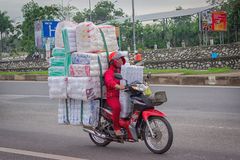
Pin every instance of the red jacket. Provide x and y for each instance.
(111, 81)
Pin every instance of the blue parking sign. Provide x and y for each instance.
(49, 28)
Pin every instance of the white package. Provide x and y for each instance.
(88, 38)
(78, 70)
(131, 73)
(75, 111)
(89, 58)
(91, 113)
(57, 87)
(83, 88)
(58, 32)
(62, 112)
(110, 37)
(69, 39)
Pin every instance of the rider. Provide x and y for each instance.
(113, 87)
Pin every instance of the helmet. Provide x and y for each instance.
(115, 55)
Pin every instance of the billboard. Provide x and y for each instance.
(206, 24)
(219, 21)
(38, 34)
(213, 21)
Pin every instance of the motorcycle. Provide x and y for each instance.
(143, 123)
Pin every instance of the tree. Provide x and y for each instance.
(103, 11)
(232, 7)
(31, 13)
(5, 26)
(82, 16)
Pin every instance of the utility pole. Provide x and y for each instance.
(90, 16)
(62, 11)
(133, 21)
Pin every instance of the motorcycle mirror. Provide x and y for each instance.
(118, 76)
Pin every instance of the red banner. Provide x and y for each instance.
(219, 21)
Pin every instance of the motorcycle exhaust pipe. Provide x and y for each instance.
(88, 131)
(95, 133)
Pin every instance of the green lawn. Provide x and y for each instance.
(189, 71)
(152, 71)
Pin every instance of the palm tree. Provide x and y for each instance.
(5, 25)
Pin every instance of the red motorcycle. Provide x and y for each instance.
(143, 123)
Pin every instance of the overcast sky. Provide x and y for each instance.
(13, 7)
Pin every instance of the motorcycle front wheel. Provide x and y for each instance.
(162, 138)
(98, 140)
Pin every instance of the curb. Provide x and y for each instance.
(175, 79)
(215, 80)
(24, 77)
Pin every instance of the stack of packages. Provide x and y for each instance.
(86, 60)
(69, 110)
(57, 80)
(131, 73)
(88, 65)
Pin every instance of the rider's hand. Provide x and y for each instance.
(120, 87)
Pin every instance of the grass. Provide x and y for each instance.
(23, 73)
(189, 71)
(152, 71)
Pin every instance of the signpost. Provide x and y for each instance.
(49, 28)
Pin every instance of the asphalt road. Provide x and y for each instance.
(205, 121)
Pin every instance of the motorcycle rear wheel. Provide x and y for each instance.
(99, 141)
(163, 135)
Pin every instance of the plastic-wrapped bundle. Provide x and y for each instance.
(58, 52)
(91, 113)
(91, 60)
(88, 58)
(57, 87)
(69, 39)
(88, 38)
(82, 58)
(75, 111)
(58, 32)
(84, 88)
(57, 61)
(78, 70)
(110, 37)
(131, 73)
(62, 112)
(56, 71)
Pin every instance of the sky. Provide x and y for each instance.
(13, 7)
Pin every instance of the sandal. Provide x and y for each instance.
(118, 133)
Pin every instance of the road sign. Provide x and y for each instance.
(49, 28)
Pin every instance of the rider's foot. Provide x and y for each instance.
(118, 132)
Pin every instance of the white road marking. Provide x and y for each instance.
(23, 95)
(153, 85)
(192, 86)
(38, 154)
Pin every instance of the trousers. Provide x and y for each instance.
(115, 105)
